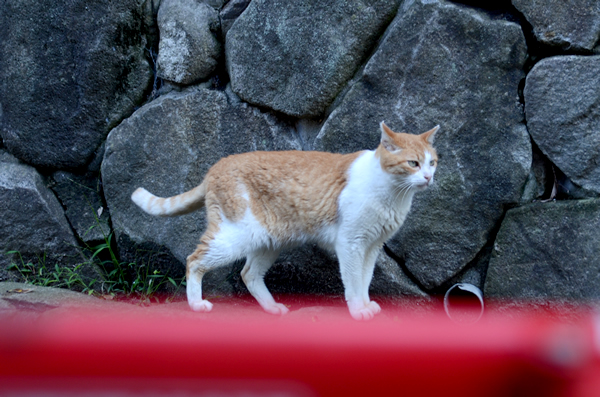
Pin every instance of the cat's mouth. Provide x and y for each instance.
(423, 186)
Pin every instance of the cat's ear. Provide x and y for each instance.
(387, 138)
(430, 135)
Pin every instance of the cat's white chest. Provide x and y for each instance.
(393, 218)
(370, 203)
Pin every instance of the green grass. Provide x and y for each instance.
(131, 280)
(60, 277)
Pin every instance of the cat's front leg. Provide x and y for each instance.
(353, 259)
(361, 312)
(367, 276)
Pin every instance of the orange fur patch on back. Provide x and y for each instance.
(289, 192)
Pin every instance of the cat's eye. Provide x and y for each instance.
(413, 163)
(432, 163)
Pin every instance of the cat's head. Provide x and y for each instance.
(411, 158)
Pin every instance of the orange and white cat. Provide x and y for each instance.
(259, 203)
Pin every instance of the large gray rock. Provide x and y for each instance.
(33, 222)
(188, 50)
(69, 72)
(570, 25)
(295, 57)
(547, 251)
(562, 105)
(440, 63)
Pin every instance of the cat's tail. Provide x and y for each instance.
(171, 206)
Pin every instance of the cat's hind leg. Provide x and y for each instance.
(216, 249)
(197, 266)
(253, 274)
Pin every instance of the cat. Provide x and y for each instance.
(259, 203)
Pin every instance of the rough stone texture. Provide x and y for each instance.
(69, 72)
(188, 50)
(167, 146)
(32, 299)
(33, 222)
(216, 4)
(81, 198)
(547, 250)
(541, 178)
(232, 10)
(6, 157)
(295, 57)
(444, 64)
(562, 105)
(570, 25)
(33, 302)
(390, 280)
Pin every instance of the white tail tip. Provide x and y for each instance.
(144, 199)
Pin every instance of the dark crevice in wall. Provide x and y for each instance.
(145, 255)
(503, 9)
(478, 264)
(157, 83)
(220, 77)
(64, 207)
(543, 170)
(537, 51)
(495, 9)
(359, 70)
(402, 264)
(152, 34)
(483, 257)
(520, 92)
(556, 184)
(100, 192)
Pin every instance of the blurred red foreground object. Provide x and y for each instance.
(159, 354)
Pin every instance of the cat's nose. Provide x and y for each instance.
(427, 177)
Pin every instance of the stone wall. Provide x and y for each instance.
(98, 98)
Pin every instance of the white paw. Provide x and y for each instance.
(374, 307)
(277, 309)
(201, 306)
(363, 314)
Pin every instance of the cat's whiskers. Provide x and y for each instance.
(403, 189)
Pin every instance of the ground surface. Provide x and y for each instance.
(20, 299)
(25, 300)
